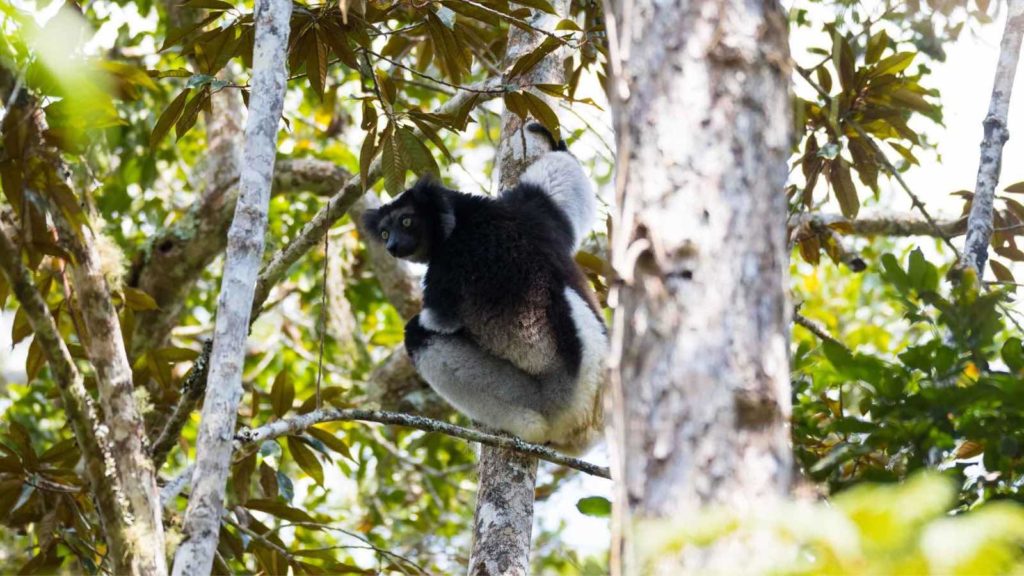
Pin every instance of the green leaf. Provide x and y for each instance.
(367, 153)
(921, 274)
(138, 300)
(430, 132)
(174, 354)
(542, 112)
(516, 103)
(241, 477)
(894, 274)
(1001, 272)
(526, 62)
(331, 441)
(846, 63)
(1013, 354)
(306, 460)
(316, 64)
(392, 165)
(876, 45)
(190, 114)
(1016, 188)
(893, 64)
(597, 506)
(209, 5)
(168, 118)
(34, 361)
(842, 185)
(280, 510)
(568, 24)
(415, 153)
(282, 394)
(824, 79)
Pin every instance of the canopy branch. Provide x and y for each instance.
(252, 438)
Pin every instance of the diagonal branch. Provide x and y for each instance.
(979, 225)
(313, 232)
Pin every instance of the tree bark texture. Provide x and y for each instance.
(79, 408)
(699, 362)
(979, 224)
(244, 254)
(174, 259)
(128, 496)
(503, 521)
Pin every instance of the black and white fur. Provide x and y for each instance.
(510, 333)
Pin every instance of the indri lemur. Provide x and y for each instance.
(510, 333)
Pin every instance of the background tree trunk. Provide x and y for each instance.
(503, 522)
(700, 373)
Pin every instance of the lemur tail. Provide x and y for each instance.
(556, 145)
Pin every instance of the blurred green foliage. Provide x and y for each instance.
(870, 529)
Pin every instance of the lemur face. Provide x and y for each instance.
(406, 227)
(401, 232)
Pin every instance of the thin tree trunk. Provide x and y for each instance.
(79, 408)
(699, 361)
(979, 224)
(503, 521)
(244, 254)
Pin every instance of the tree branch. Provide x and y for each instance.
(78, 405)
(192, 390)
(817, 330)
(883, 224)
(174, 259)
(244, 252)
(979, 225)
(312, 233)
(252, 438)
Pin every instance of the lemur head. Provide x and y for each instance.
(414, 224)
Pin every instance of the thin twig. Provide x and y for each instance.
(297, 424)
(432, 79)
(522, 24)
(192, 390)
(817, 330)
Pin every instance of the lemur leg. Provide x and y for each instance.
(485, 388)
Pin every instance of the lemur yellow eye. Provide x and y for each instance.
(406, 222)
(384, 234)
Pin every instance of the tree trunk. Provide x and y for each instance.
(503, 522)
(979, 224)
(700, 397)
(244, 254)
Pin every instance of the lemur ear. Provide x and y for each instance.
(371, 220)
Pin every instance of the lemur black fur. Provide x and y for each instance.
(510, 331)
